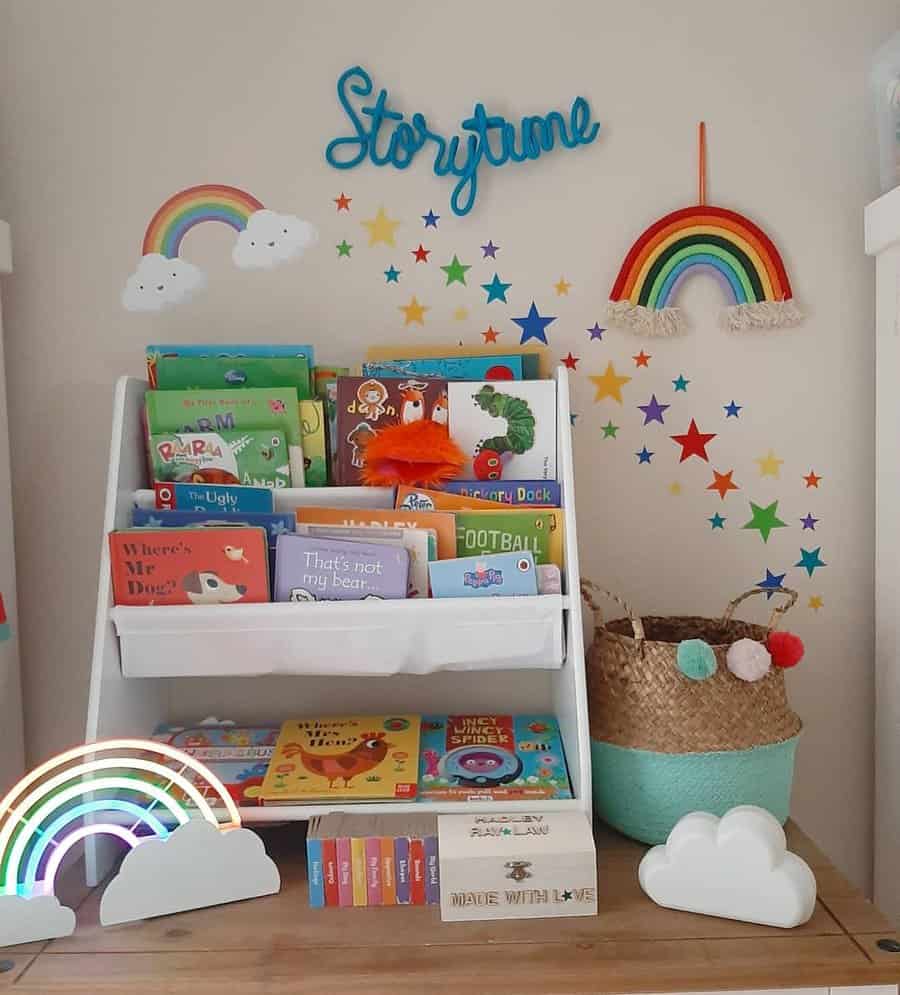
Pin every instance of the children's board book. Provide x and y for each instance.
(238, 755)
(230, 410)
(325, 387)
(450, 368)
(367, 404)
(496, 575)
(536, 493)
(507, 431)
(313, 428)
(217, 498)
(308, 569)
(231, 373)
(442, 522)
(422, 499)
(536, 359)
(252, 458)
(223, 351)
(492, 757)
(506, 531)
(189, 566)
(344, 758)
(421, 544)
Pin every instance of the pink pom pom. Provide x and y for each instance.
(787, 649)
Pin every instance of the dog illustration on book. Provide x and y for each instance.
(204, 587)
(363, 757)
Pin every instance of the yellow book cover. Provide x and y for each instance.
(347, 758)
(358, 864)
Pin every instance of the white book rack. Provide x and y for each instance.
(264, 663)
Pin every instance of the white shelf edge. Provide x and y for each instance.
(882, 222)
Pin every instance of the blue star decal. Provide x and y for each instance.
(496, 289)
(771, 583)
(572, 417)
(644, 456)
(596, 332)
(391, 275)
(680, 383)
(717, 521)
(731, 410)
(431, 219)
(533, 325)
(810, 560)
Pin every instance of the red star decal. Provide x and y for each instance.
(723, 483)
(811, 479)
(570, 362)
(642, 359)
(421, 254)
(343, 202)
(693, 442)
(490, 335)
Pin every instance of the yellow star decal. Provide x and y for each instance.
(414, 311)
(675, 488)
(381, 228)
(609, 384)
(770, 465)
(816, 602)
(562, 288)
(461, 313)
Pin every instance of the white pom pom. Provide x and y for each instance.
(748, 660)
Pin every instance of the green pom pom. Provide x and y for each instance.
(696, 659)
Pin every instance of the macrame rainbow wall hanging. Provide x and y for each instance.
(704, 239)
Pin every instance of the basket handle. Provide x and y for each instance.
(777, 612)
(589, 588)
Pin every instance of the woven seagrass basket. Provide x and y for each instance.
(663, 745)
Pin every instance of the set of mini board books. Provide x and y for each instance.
(229, 427)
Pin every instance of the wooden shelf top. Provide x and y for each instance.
(279, 945)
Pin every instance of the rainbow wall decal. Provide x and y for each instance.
(132, 789)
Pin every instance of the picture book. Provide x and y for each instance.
(493, 757)
(442, 522)
(325, 389)
(344, 758)
(422, 499)
(537, 361)
(189, 566)
(308, 569)
(315, 454)
(230, 410)
(529, 492)
(495, 575)
(217, 498)
(505, 531)
(449, 367)
(252, 458)
(507, 431)
(223, 351)
(421, 544)
(238, 755)
(231, 373)
(367, 404)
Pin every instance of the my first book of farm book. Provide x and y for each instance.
(348, 758)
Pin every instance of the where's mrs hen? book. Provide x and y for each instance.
(346, 758)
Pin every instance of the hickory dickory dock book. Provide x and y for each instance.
(361, 758)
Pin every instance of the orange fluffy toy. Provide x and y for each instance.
(420, 454)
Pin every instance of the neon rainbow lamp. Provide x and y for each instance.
(702, 239)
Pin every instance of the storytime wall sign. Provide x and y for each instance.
(386, 138)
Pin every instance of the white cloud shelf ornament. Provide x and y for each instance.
(736, 867)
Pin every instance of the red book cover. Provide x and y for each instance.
(416, 872)
(330, 873)
(214, 566)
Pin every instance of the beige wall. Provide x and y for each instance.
(108, 108)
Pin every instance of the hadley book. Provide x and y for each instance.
(442, 522)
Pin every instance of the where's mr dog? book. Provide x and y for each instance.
(352, 758)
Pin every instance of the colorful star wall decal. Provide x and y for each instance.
(812, 480)
(421, 253)
(431, 219)
(723, 483)
(642, 359)
(675, 489)
(771, 583)
(609, 384)
(413, 312)
(490, 250)
(810, 560)
(653, 410)
(343, 249)
(769, 465)
(717, 522)
(496, 289)
(391, 275)
(732, 410)
(644, 456)
(381, 229)
(534, 325)
(461, 313)
(343, 202)
(562, 287)
(570, 362)
(815, 602)
(809, 522)
(490, 334)
(765, 519)
(693, 442)
(456, 271)
(680, 383)
(596, 332)
(609, 430)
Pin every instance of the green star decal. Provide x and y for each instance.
(810, 560)
(456, 272)
(765, 519)
(343, 248)
(609, 430)
(506, 832)
(567, 896)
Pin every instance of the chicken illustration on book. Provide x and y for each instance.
(357, 761)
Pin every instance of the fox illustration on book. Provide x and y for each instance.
(363, 757)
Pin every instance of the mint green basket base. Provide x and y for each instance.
(643, 794)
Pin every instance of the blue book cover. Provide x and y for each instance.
(544, 493)
(217, 498)
(228, 351)
(401, 869)
(432, 872)
(314, 874)
(450, 368)
(491, 575)
(275, 523)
